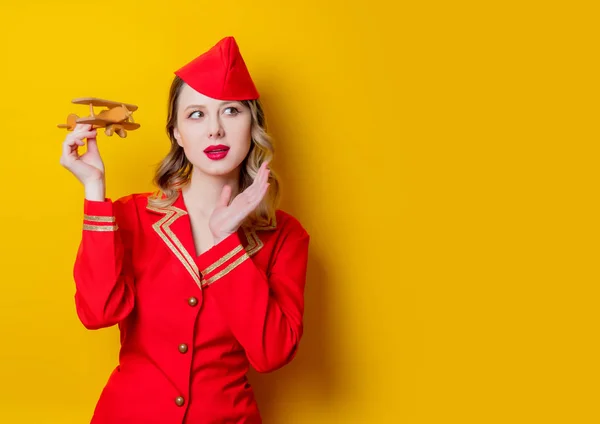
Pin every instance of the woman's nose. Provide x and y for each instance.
(215, 130)
(215, 134)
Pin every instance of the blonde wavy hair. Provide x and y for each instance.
(175, 170)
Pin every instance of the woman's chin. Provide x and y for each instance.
(216, 169)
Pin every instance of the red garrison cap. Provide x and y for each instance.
(220, 73)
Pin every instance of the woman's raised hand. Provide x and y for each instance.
(227, 218)
(88, 168)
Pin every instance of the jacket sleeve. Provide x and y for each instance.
(263, 311)
(103, 272)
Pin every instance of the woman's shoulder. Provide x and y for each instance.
(286, 222)
(134, 199)
(130, 205)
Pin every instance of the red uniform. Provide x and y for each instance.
(190, 324)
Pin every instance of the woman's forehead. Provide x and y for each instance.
(189, 95)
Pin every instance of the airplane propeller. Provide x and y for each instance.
(128, 113)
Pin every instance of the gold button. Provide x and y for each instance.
(179, 401)
(192, 301)
(183, 348)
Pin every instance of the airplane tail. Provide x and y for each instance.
(71, 122)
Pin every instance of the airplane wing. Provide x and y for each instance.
(94, 121)
(129, 125)
(94, 101)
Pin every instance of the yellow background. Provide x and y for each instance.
(443, 155)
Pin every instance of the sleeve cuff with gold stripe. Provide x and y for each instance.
(221, 259)
(99, 216)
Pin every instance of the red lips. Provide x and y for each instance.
(216, 152)
(216, 148)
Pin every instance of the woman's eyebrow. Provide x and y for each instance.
(194, 106)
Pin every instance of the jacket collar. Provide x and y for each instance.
(174, 229)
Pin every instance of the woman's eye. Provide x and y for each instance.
(196, 114)
(232, 110)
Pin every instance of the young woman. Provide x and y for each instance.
(205, 277)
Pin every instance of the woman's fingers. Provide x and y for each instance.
(264, 174)
(248, 200)
(84, 127)
(263, 183)
(264, 171)
(254, 200)
(257, 195)
(225, 196)
(80, 131)
(76, 136)
(231, 215)
(92, 144)
(70, 146)
(259, 180)
(73, 141)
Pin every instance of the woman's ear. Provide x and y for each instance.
(177, 136)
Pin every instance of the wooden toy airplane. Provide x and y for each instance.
(116, 119)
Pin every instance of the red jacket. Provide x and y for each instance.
(190, 325)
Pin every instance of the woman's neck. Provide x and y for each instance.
(203, 191)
